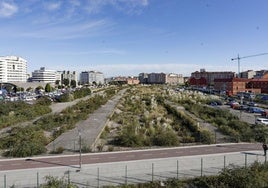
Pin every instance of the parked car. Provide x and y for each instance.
(243, 107)
(261, 121)
(233, 103)
(265, 113)
(252, 104)
(255, 110)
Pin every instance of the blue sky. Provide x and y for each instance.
(127, 37)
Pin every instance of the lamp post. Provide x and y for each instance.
(80, 152)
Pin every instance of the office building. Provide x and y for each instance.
(44, 75)
(13, 69)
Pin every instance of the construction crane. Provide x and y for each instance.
(238, 60)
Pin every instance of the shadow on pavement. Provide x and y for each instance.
(52, 163)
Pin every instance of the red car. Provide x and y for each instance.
(265, 113)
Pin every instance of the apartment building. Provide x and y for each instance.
(90, 77)
(204, 78)
(234, 85)
(174, 79)
(248, 74)
(69, 75)
(13, 69)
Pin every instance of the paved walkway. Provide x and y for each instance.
(114, 168)
(90, 129)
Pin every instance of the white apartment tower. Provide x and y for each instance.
(13, 69)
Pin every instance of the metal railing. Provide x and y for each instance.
(131, 172)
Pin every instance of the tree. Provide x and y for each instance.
(73, 83)
(57, 82)
(66, 82)
(48, 88)
(38, 89)
(29, 89)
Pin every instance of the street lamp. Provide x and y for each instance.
(80, 152)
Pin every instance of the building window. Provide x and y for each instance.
(13, 67)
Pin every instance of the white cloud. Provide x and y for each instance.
(7, 9)
(64, 31)
(126, 6)
(75, 2)
(52, 6)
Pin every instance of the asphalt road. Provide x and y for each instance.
(73, 160)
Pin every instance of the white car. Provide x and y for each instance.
(261, 121)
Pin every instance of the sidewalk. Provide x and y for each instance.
(99, 169)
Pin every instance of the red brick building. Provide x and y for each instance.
(235, 85)
(205, 79)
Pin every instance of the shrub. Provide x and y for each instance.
(85, 149)
(206, 137)
(66, 97)
(55, 182)
(166, 138)
(58, 150)
(44, 100)
(110, 148)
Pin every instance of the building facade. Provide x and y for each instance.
(248, 74)
(69, 75)
(143, 78)
(13, 69)
(174, 79)
(156, 78)
(236, 85)
(44, 75)
(90, 77)
(133, 81)
(204, 78)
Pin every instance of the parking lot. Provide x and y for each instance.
(243, 115)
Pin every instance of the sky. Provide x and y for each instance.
(128, 37)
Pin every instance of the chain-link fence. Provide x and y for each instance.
(131, 172)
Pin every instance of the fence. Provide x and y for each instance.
(131, 172)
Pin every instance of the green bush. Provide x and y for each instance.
(79, 93)
(66, 97)
(55, 182)
(23, 142)
(166, 138)
(59, 150)
(206, 137)
(45, 101)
